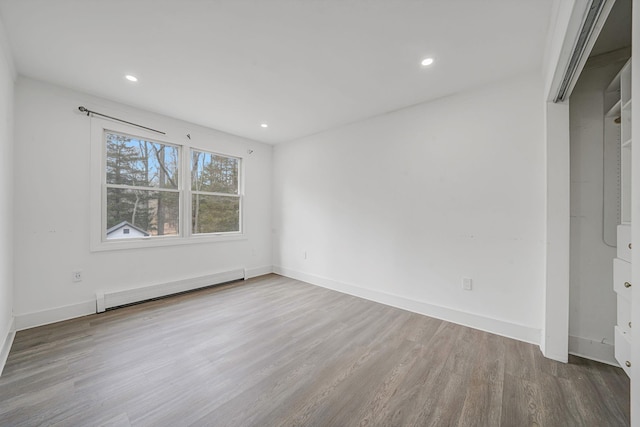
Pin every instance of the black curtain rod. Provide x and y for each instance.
(84, 110)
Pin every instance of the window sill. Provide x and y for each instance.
(142, 243)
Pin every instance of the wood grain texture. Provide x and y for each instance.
(273, 351)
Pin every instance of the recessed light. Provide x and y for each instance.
(264, 125)
(426, 62)
(131, 78)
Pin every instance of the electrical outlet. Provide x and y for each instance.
(466, 283)
(304, 254)
(76, 276)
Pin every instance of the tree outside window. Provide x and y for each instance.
(215, 193)
(142, 184)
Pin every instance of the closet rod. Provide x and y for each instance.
(84, 110)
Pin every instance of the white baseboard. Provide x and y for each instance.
(53, 315)
(257, 271)
(487, 324)
(6, 344)
(592, 349)
(116, 298)
(564, 358)
(129, 296)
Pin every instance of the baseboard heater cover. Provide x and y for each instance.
(107, 300)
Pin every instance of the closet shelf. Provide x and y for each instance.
(615, 110)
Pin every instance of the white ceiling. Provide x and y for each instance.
(302, 66)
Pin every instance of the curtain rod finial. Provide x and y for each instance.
(83, 110)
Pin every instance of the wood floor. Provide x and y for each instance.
(272, 351)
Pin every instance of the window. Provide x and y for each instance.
(149, 191)
(215, 193)
(142, 186)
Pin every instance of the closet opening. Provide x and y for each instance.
(600, 159)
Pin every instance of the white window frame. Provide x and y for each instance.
(189, 194)
(98, 194)
(106, 186)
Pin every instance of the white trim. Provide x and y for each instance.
(6, 344)
(100, 308)
(558, 357)
(53, 315)
(567, 21)
(476, 321)
(592, 349)
(250, 273)
(156, 290)
(555, 338)
(155, 242)
(136, 187)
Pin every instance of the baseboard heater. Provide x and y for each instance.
(108, 300)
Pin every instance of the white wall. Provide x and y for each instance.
(7, 74)
(52, 194)
(592, 313)
(398, 208)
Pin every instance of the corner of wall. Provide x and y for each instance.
(8, 77)
(7, 342)
(53, 315)
(250, 273)
(556, 294)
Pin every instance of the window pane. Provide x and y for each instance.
(134, 161)
(213, 173)
(143, 213)
(215, 214)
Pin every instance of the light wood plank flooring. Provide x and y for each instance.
(273, 351)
